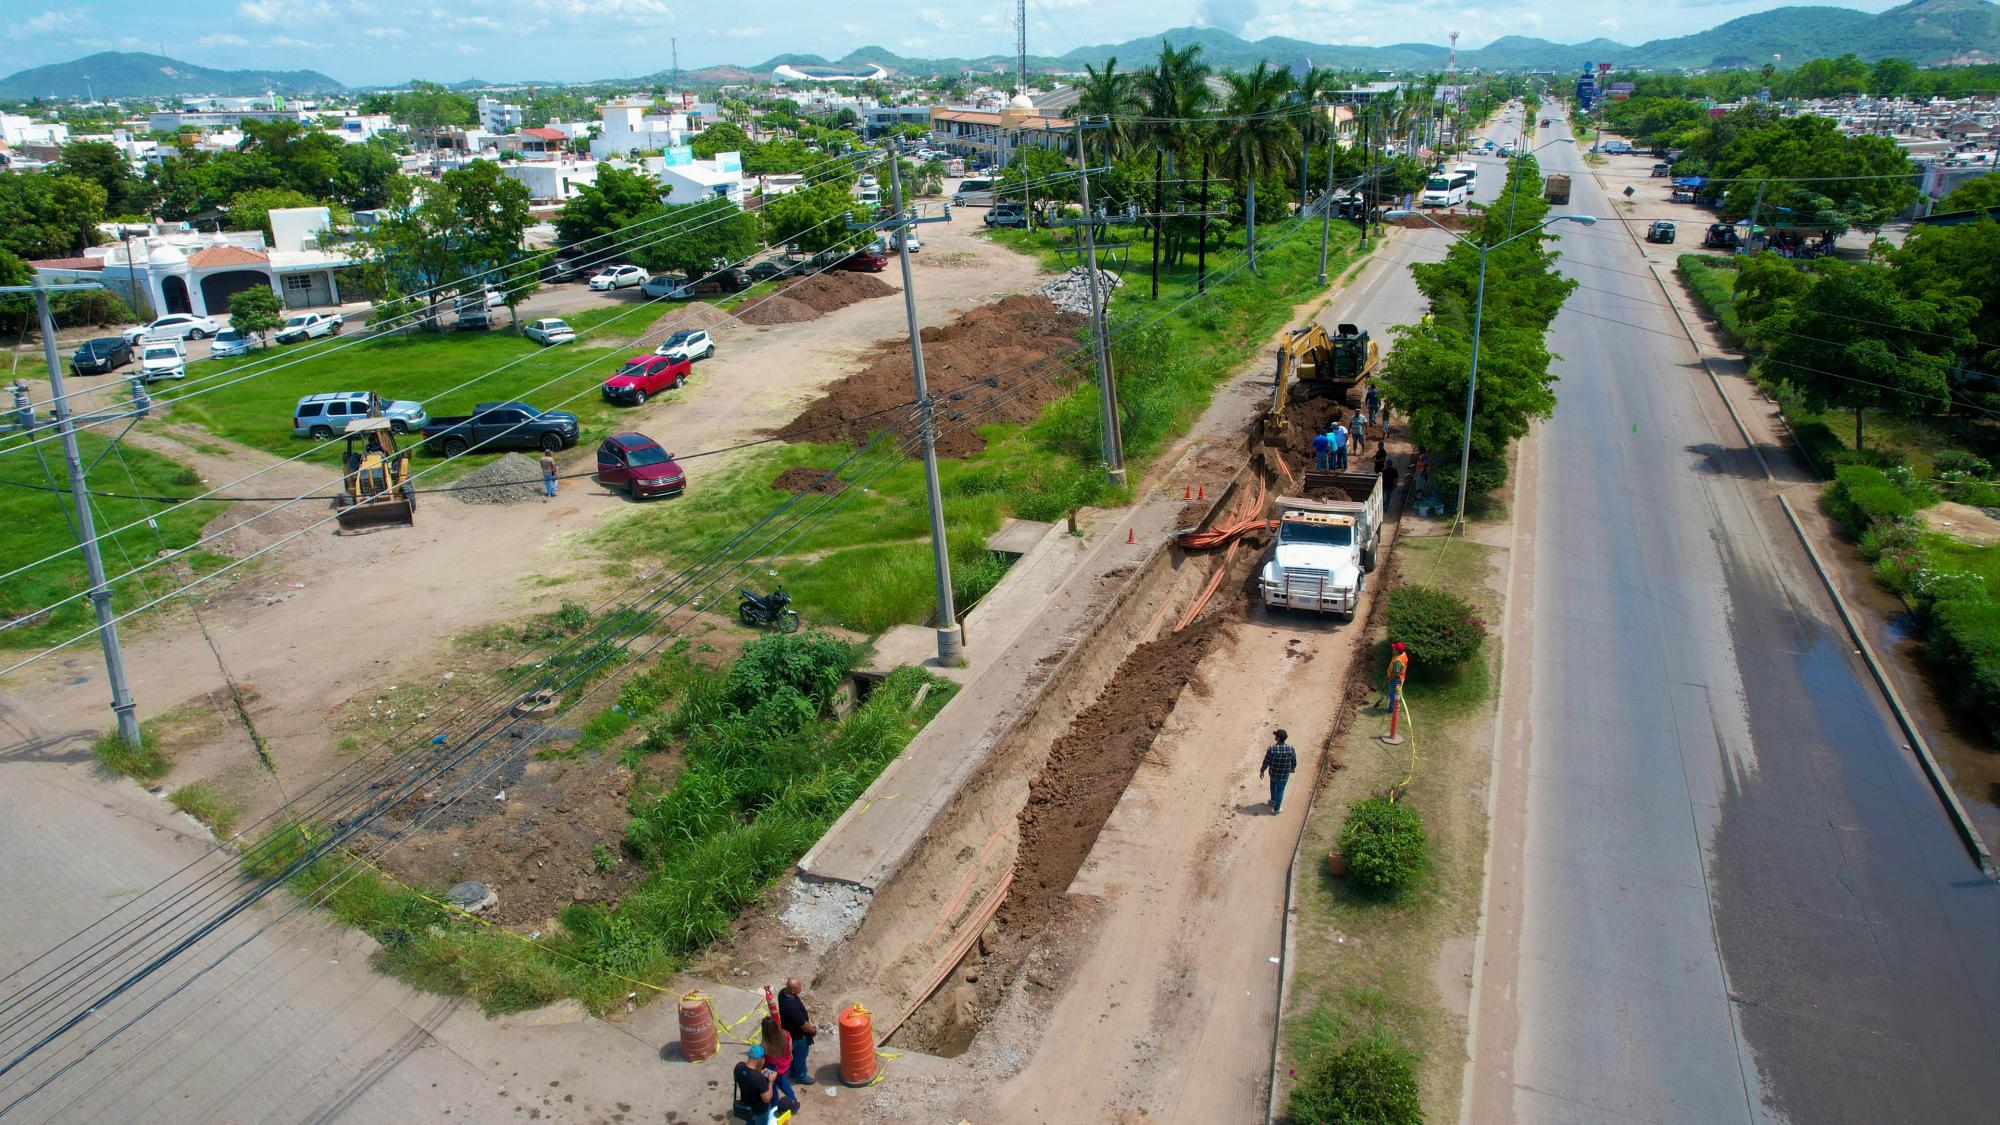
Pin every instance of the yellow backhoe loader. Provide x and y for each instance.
(375, 492)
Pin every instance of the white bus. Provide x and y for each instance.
(1446, 189)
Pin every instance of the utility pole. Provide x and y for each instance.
(1201, 246)
(1750, 240)
(1107, 389)
(948, 636)
(1326, 211)
(86, 526)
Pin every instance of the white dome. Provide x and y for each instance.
(1022, 101)
(167, 256)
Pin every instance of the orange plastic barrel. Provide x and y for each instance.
(697, 1028)
(857, 1047)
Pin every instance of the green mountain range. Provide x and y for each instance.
(119, 74)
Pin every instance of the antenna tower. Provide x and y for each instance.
(675, 43)
(1451, 62)
(1021, 45)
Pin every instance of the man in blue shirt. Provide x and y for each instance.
(1336, 439)
(1322, 454)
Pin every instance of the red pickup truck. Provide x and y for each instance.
(645, 375)
(865, 261)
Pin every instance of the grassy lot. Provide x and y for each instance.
(38, 525)
(258, 412)
(1368, 966)
(1167, 372)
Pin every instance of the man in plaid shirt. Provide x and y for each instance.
(1279, 762)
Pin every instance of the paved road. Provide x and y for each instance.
(1735, 898)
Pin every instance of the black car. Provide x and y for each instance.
(1661, 231)
(101, 355)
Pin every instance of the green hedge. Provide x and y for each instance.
(1964, 648)
(1862, 495)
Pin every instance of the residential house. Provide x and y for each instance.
(552, 181)
(692, 181)
(993, 136)
(496, 116)
(543, 140)
(627, 127)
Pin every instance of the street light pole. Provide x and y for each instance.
(1107, 389)
(1326, 210)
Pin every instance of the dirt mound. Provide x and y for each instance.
(777, 310)
(987, 366)
(804, 478)
(697, 314)
(510, 480)
(826, 292)
(1450, 220)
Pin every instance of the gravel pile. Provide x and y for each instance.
(824, 914)
(513, 479)
(1071, 291)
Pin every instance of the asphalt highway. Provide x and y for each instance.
(1737, 898)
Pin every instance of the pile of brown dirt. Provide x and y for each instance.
(1450, 220)
(1004, 342)
(804, 478)
(777, 309)
(826, 292)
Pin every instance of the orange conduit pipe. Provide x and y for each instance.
(1230, 534)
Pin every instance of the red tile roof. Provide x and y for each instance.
(68, 263)
(545, 134)
(226, 256)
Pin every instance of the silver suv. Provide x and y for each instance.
(323, 416)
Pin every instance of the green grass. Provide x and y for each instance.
(258, 411)
(1167, 373)
(201, 801)
(38, 526)
(143, 763)
(1715, 291)
(1956, 554)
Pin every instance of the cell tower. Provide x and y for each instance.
(1451, 61)
(1021, 46)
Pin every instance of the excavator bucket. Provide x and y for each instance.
(376, 492)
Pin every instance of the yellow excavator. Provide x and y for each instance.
(375, 492)
(1314, 364)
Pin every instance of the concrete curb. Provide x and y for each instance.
(1941, 783)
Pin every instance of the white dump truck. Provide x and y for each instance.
(1324, 546)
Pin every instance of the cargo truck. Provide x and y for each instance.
(1324, 546)
(1555, 189)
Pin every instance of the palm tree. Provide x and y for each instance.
(1315, 128)
(1175, 93)
(1110, 95)
(1257, 138)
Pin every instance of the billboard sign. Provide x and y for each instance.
(680, 154)
(729, 162)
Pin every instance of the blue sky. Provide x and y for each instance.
(385, 41)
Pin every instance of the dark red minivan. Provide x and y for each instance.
(637, 464)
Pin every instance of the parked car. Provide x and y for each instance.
(783, 265)
(322, 416)
(1682, 195)
(638, 464)
(885, 247)
(712, 285)
(973, 193)
(617, 277)
(690, 344)
(661, 285)
(1662, 169)
(868, 180)
(494, 426)
(1007, 215)
(162, 359)
(1661, 231)
(175, 326)
(472, 315)
(1618, 147)
(101, 354)
(1722, 236)
(549, 330)
(307, 326)
(1507, 150)
(644, 376)
(230, 342)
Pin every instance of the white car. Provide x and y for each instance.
(309, 326)
(162, 360)
(175, 326)
(230, 342)
(690, 344)
(661, 285)
(618, 277)
(549, 330)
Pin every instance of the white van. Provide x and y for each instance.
(1445, 189)
(973, 193)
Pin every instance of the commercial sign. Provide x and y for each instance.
(680, 154)
(729, 162)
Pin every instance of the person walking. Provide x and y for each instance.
(1423, 468)
(797, 1022)
(1373, 401)
(1336, 438)
(1322, 456)
(548, 472)
(1389, 475)
(1359, 433)
(1279, 762)
(1381, 458)
(757, 1089)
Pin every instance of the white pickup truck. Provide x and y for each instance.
(1324, 546)
(308, 326)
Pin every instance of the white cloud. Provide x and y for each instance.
(261, 11)
(223, 39)
(852, 28)
(933, 18)
(614, 9)
(743, 33)
(384, 32)
(467, 49)
(295, 44)
(51, 21)
(1609, 25)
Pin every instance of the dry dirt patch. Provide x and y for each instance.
(804, 478)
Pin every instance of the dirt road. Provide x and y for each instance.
(288, 626)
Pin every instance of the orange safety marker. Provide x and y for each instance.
(1132, 535)
(857, 1047)
(697, 1028)
(1187, 493)
(1201, 492)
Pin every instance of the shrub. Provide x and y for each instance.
(1371, 1081)
(1960, 461)
(1930, 585)
(1384, 844)
(810, 664)
(1861, 495)
(142, 763)
(1437, 626)
(1965, 648)
(201, 801)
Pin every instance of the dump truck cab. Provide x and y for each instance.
(1324, 546)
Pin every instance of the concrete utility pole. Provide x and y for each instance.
(1107, 389)
(1750, 239)
(1326, 209)
(948, 635)
(86, 526)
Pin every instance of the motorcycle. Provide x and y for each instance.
(773, 608)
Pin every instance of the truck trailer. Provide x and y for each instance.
(1555, 189)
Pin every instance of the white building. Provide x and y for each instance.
(498, 117)
(18, 130)
(628, 127)
(555, 181)
(176, 271)
(698, 180)
(358, 127)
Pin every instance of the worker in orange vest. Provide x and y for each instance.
(1399, 669)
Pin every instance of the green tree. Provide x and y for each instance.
(362, 174)
(705, 234)
(1963, 260)
(1892, 76)
(1040, 178)
(1982, 194)
(487, 236)
(307, 162)
(103, 164)
(1255, 142)
(1765, 280)
(1856, 181)
(723, 136)
(814, 218)
(1108, 94)
(1855, 341)
(619, 199)
(251, 210)
(429, 109)
(1175, 93)
(48, 214)
(255, 311)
